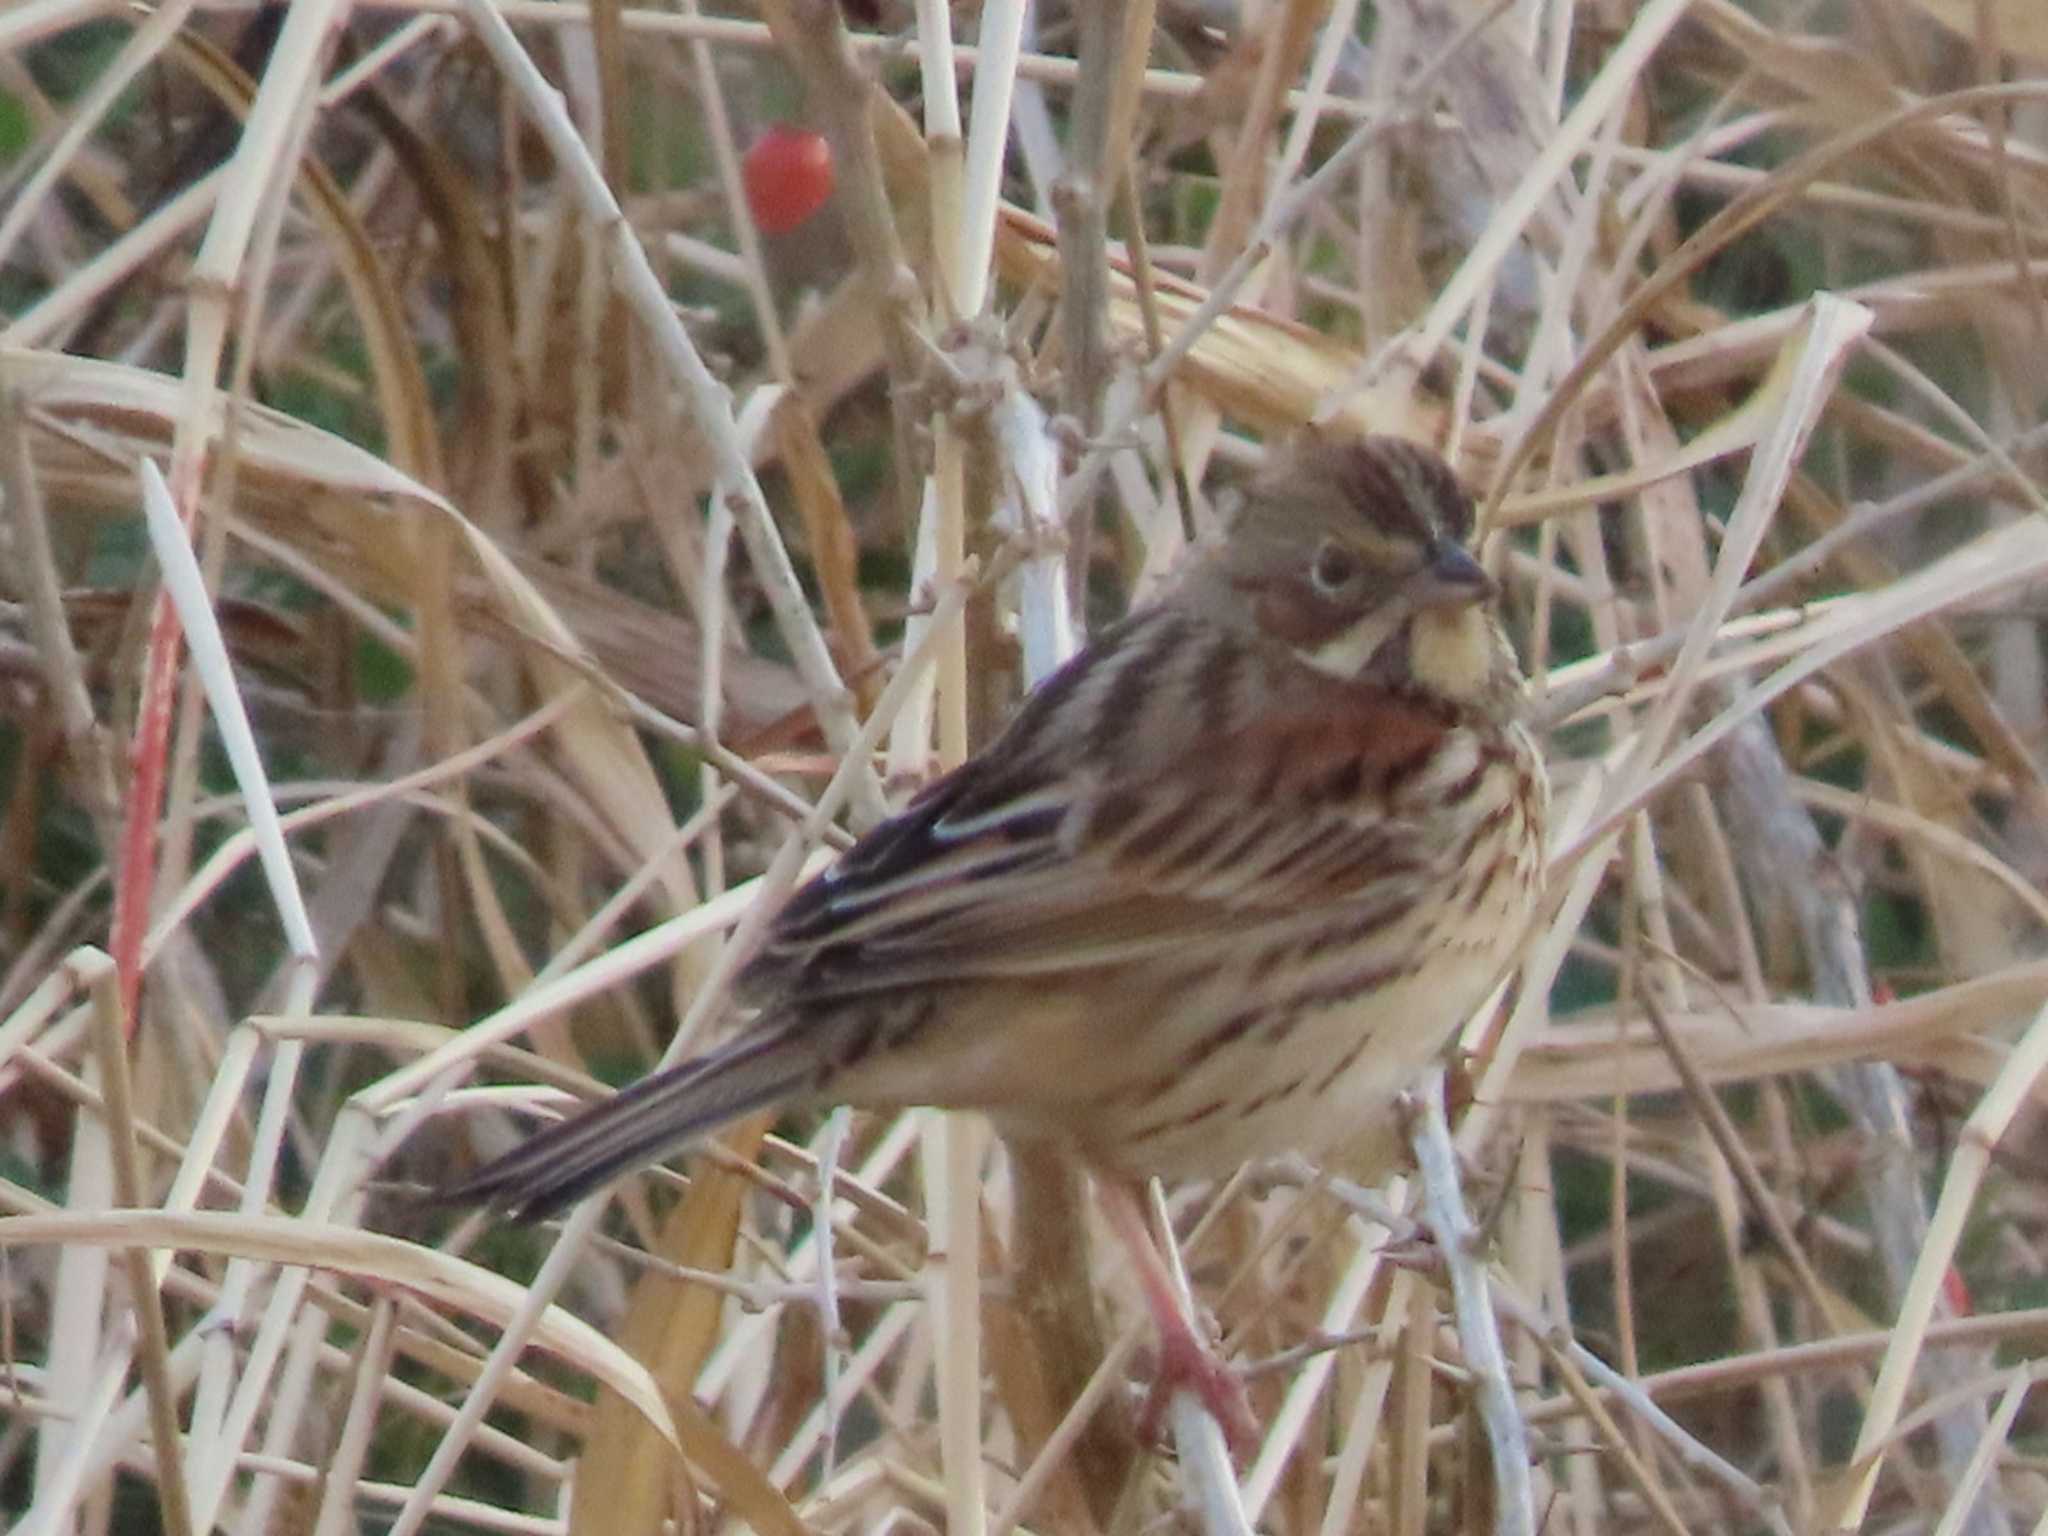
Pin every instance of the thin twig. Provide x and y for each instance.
(35, 566)
(1563, 1346)
(173, 1496)
(1728, 1141)
(1507, 1439)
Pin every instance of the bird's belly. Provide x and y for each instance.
(1323, 1078)
(1319, 1074)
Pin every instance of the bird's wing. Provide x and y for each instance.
(1058, 851)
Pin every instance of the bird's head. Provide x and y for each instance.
(1356, 556)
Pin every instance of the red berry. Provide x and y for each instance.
(1956, 1290)
(788, 177)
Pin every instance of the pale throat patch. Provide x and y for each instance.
(1451, 650)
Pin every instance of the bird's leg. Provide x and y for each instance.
(1187, 1360)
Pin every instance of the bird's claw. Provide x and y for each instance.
(1186, 1364)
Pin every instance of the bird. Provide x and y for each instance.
(1224, 887)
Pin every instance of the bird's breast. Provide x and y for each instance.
(1299, 1036)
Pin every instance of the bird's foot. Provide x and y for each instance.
(1188, 1364)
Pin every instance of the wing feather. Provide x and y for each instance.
(1025, 864)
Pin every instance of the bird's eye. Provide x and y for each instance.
(1335, 568)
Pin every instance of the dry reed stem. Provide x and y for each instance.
(1509, 1496)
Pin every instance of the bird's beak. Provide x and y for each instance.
(1451, 577)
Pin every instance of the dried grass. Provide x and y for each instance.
(1736, 316)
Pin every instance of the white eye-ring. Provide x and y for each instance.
(1335, 568)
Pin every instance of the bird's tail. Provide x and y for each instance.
(642, 1124)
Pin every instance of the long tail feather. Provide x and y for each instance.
(643, 1124)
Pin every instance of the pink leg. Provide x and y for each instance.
(1187, 1361)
